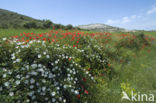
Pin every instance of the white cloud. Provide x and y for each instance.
(139, 21)
(133, 16)
(125, 20)
(153, 10)
(110, 21)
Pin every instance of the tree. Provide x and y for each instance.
(29, 25)
(68, 27)
(47, 24)
(57, 26)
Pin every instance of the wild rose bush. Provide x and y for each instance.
(38, 71)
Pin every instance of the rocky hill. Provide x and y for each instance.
(102, 28)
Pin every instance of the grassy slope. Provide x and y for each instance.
(11, 18)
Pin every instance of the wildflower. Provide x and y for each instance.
(56, 62)
(60, 99)
(78, 96)
(44, 53)
(69, 59)
(4, 75)
(34, 66)
(43, 88)
(18, 76)
(109, 65)
(11, 93)
(17, 60)
(31, 86)
(47, 56)
(53, 100)
(84, 79)
(86, 92)
(39, 56)
(4, 39)
(6, 84)
(17, 82)
(1, 88)
(76, 92)
(64, 101)
(32, 81)
(53, 94)
(33, 73)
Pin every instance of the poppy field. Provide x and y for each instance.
(73, 66)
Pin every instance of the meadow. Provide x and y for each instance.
(73, 66)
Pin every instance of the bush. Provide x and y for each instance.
(30, 25)
(40, 72)
(47, 24)
(69, 27)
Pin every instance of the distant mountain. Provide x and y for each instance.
(102, 28)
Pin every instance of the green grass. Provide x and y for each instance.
(13, 32)
(139, 73)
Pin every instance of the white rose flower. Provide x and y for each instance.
(1, 88)
(17, 82)
(47, 56)
(53, 100)
(43, 88)
(53, 94)
(34, 66)
(17, 60)
(11, 93)
(4, 39)
(64, 101)
(39, 56)
(32, 81)
(76, 92)
(44, 53)
(4, 75)
(6, 84)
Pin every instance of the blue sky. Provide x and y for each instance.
(130, 14)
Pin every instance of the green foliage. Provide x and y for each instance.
(69, 27)
(126, 87)
(47, 24)
(97, 65)
(29, 25)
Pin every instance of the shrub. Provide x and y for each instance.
(47, 24)
(41, 72)
(30, 25)
(69, 27)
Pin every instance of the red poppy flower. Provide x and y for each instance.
(86, 92)
(89, 69)
(78, 96)
(109, 65)
(84, 79)
(44, 39)
(69, 59)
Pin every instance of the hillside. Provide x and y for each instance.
(102, 28)
(9, 19)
